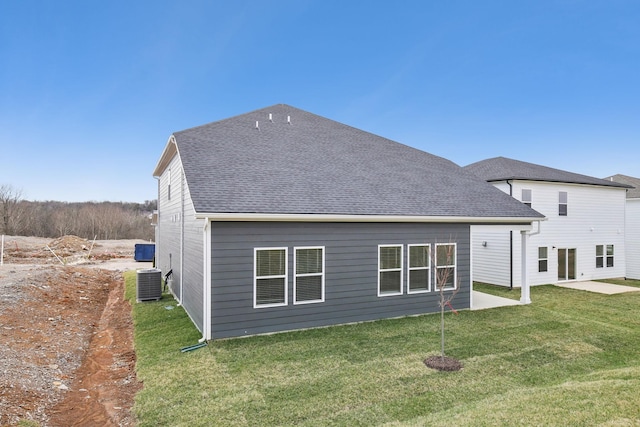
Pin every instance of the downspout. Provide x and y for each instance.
(206, 281)
(510, 245)
(182, 180)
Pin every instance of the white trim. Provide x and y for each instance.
(454, 266)
(363, 218)
(285, 276)
(296, 275)
(410, 269)
(401, 269)
(206, 315)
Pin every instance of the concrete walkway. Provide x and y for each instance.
(482, 301)
(598, 287)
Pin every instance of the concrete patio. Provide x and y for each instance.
(482, 301)
(598, 287)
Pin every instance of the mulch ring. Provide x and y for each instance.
(443, 363)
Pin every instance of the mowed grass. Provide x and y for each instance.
(570, 358)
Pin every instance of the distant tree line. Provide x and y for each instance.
(102, 220)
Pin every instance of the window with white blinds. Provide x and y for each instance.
(270, 278)
(308, 281)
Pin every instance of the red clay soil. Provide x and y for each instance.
(66, 347)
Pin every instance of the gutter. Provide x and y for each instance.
(279, 217)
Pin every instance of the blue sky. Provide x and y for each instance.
(91, 91)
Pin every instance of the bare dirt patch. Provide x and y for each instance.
(66, 336)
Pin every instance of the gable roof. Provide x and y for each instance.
(283, 160)
(502, 169)
(632, 193)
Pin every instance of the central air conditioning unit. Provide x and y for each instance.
(149, 285)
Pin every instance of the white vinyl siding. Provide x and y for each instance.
(308, 280)
(597, 216)
(270, 277)
(390, 270)
(419, 269)
(632, 240)
(446, 266)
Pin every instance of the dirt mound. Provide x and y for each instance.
(68, 245)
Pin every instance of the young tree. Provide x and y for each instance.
(447, 285)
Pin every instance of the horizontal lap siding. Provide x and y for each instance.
(351, 273)
(169, 224)
(192, 267)
(633, 239)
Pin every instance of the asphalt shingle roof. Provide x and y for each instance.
(314, 165)
(502, 169)
(632, 193)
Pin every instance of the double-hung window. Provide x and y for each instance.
(446, 266)
(562, 203)
(389, 270)
(599, 256)
(270, 277)
(609, 255)
(169, 184)
(308, 281)
(419, 268)
(543, 259)
(526, 197)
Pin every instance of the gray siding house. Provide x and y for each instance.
(280, 219)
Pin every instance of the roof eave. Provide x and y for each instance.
(169, 152)
(274, 217)
(515, 178)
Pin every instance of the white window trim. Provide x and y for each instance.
(285, 276)
(602, 257)
(401, 270)
(296, 275)
(527, 201)
(561, 203)
(410, 269)
(543, 259)
(607, 256)
(454, 266)
(169, 184)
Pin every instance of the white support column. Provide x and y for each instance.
(525, 297)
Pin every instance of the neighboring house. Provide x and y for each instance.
(582, 238)
(632, 227)
(280, 219)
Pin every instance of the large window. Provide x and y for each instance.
(601, 256)
(446, 266)
(419, 268)
(389, 270)
(270, 279)
(563, 203)
(526, 197)
(543, 259)
(308, 282)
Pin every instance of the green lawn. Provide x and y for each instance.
(570, 358)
